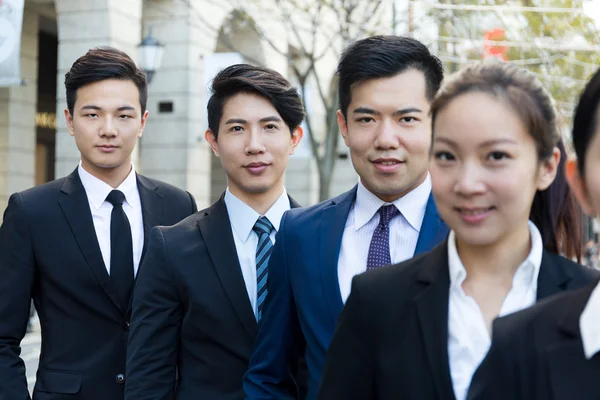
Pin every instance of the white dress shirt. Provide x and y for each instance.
(243, 217)
(589, 324)
(97, 191)
(468, 336)
(364, 218)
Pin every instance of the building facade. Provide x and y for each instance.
(197, 35)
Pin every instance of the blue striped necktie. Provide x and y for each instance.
(263, 229)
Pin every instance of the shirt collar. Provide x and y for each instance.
(526, 274)
(243, 217)
(412, 205)
(589, 324)
(97, 190)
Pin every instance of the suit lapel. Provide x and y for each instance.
(552, 279)
(152, 207)
(76, 208)
(572, 376)
(293, 203)
(331, 229)
(433, 229)
(215, 228)
(432, 311)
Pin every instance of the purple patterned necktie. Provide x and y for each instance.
(379, 251)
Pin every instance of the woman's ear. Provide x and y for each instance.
(548, 170)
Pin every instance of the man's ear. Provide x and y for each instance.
(143, 125)
(296, 137)
(343, 125)
(577, 185)
(69, 119)
(211, 138)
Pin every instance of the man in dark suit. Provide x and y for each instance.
(74, 244)
(386, 84)
(549, 351)
(199, 300)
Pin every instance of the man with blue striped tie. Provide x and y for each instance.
(385, 85)
(199, 295)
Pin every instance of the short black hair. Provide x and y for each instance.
(265, 82)
(586, 119)
(384, 56)
(100, 64)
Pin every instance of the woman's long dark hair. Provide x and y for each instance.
(557, 215)
(554, 210)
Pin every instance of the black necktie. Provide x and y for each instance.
(121, 248)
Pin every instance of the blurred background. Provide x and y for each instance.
(182, 44)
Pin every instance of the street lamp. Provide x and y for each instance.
(151, 53)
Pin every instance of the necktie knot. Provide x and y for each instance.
(386, 214)
(116, 198)
(263, 225)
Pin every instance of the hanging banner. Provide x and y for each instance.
(11, 22)
(491, 50)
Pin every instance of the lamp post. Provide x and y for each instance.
(151, 54)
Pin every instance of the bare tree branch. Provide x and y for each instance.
(315, 26)
(314, 143)
(316, 30)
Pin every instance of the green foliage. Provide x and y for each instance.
(560, 47)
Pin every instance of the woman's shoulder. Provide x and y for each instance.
(400, 277)
(579, 275)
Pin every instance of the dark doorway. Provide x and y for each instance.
(45, 117)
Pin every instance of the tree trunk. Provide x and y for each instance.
(325, 184)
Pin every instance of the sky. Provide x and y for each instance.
(592, 8)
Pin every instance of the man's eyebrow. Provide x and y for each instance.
(98, 108)
(90, 107)
(126, 108)
(272, 118)
(397, 113)
(365, 110)
(407, 110)
(236, 121)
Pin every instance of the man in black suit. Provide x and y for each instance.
(74, 244)
(199, 299)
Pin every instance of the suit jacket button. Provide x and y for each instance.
(120, 378)
(126, 326)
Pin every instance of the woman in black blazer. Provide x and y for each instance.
(419, 329)
(552, 350)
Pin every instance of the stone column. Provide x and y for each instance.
(17, 117)
(83, 25)
(173, 147)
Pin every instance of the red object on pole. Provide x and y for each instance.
(490, 50)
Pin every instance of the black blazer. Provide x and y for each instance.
(192, 319)
(391, 341)
(537, 354)
(49, 252)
